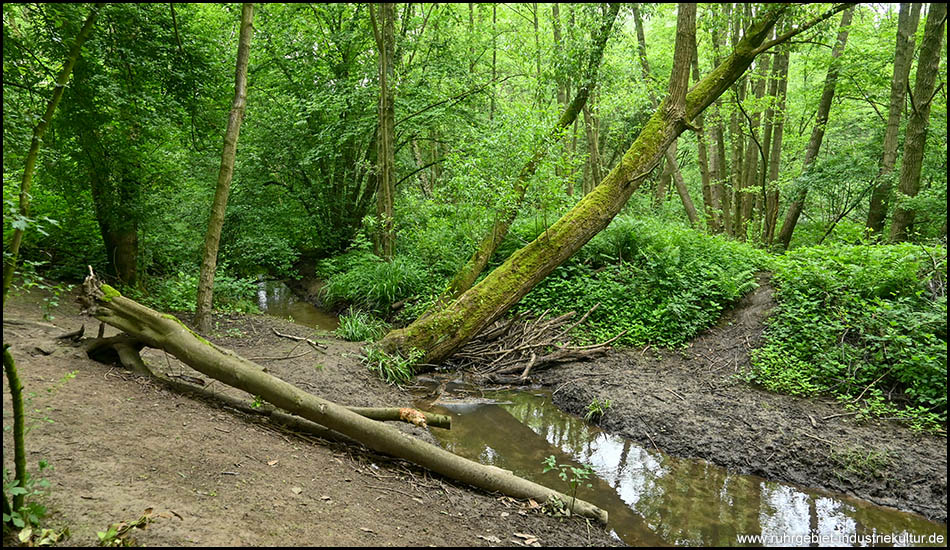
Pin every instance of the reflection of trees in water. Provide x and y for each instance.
(652, 497)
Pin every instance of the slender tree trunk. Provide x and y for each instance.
(19, 430)
(386, 177)
(750, 164)
(680, 185)
(671, 171)
(770, 209)
(718, 169)
(225, 173)
(702, 152)
(818, 131)
(464, 279)
(10, 259)
(928, 67)
(903, 59)
(735, 137)
(593, 151)
(494, 60)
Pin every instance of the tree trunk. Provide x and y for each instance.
(10, 260)
(709, 208)
(440, 333)
(167, 333)
(735, 138)
(718, 169)
(465, 278)
(19, 430)
(386, 177)
(680, 185)
(112, 202)
(818, 132)
(750, 165)
(903, 59)
(593, 151)
(928, 67)
(219, 205)
(770, 209)
(671, 170)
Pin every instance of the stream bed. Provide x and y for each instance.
(653, 498)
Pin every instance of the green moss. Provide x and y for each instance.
(184, 326)
(108, 293)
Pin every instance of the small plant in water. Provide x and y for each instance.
(574, 475)
(597, 409)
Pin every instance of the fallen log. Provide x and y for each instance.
(166, 332)
(125, 349)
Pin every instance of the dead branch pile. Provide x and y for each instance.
(520, 344)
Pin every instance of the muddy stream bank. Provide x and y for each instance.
(715, 489)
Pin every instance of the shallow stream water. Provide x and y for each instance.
(275, 298)
(656, 499)
(651, 498)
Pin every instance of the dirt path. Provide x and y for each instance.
(119, 444)
(691, 405)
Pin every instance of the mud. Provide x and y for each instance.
(118, 444)
(690, 403)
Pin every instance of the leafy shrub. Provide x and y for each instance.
(660, 283)
(866, 323)
(178, 293)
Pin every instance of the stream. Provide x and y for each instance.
(651, 498)
(276, 299)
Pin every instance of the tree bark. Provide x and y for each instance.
(225, 173)
(384, 33)
(10, 260)
(735, 138)
(928, 66)
(19, 430)
(908, 19)
(167, 333)
(593, 151)
(818, 131)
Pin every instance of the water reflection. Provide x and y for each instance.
(275, 298)
(660, 500)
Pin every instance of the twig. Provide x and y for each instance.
(313, 344)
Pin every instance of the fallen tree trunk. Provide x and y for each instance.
(166, 332)
(125, 349)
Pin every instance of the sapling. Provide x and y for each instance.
(574, 475)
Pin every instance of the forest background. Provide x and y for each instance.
(825, 164)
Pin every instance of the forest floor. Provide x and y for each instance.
(690, 403)
(119, 444)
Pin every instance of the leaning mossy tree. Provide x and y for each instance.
(440, 333)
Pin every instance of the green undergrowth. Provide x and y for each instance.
(659, 282)
(867, 324)
(357, 325)
(179, 292)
